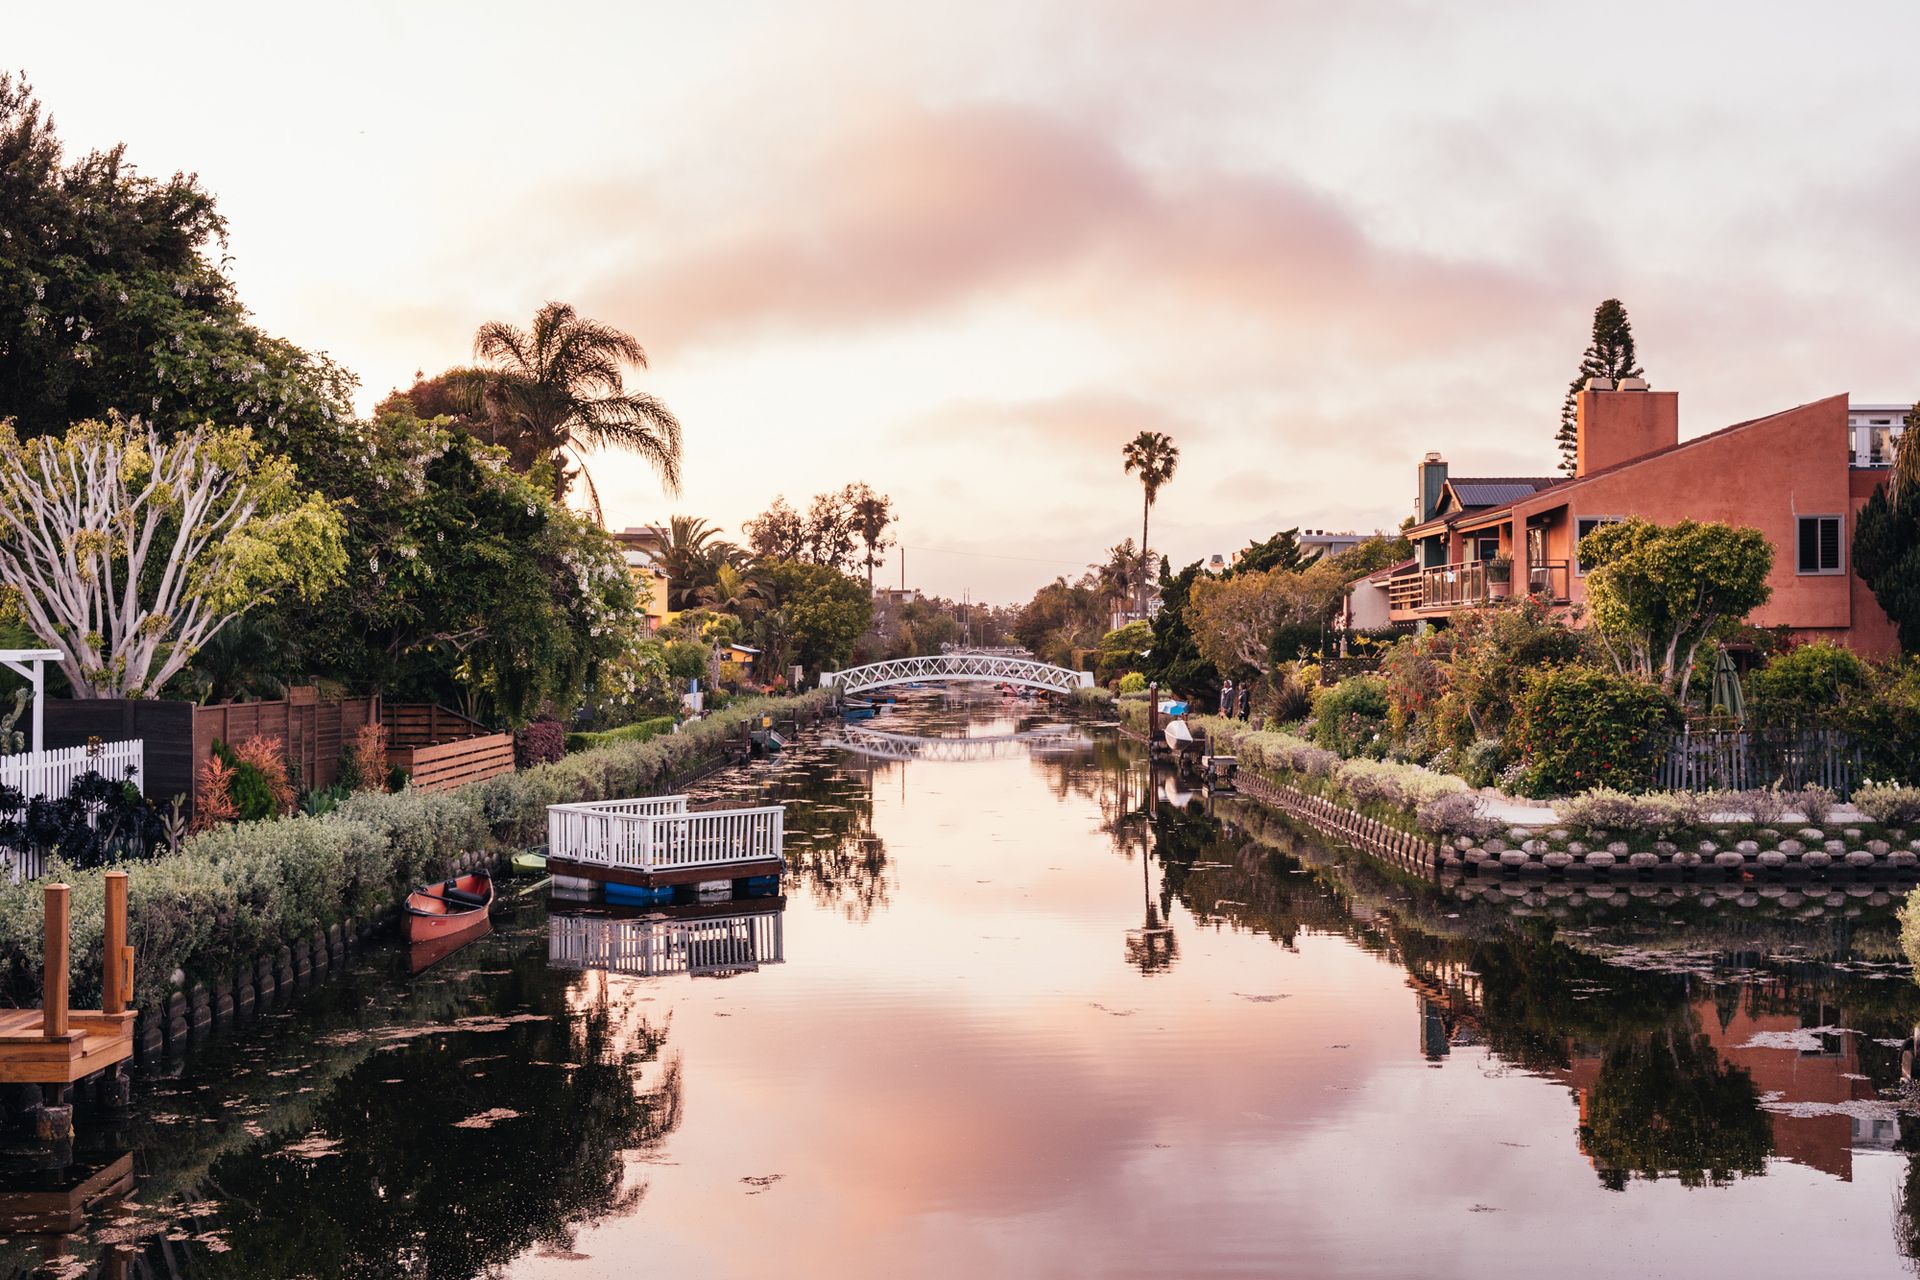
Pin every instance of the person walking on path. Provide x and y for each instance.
(1226, 699)
(1246, 700)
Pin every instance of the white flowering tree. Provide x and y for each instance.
(126, 552)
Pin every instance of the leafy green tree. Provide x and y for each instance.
(126, 552)
(561, 387)
(1121, 649)
(1061, 618)
(1657, 593)
(816, 615)
(1886, 539)
(1176, 661)
(1373, 555)
(469, 583)
(1152, 456)
(1281, 551)
(112, 300)
(1810, 684)
(1609, 355)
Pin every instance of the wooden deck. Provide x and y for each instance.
(93, 1042)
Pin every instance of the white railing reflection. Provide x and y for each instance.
(652, 947)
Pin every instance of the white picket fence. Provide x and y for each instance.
(658, 833)
(53, 773)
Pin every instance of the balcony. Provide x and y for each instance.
(1463, 586)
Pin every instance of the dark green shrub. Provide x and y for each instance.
(1350, 719)
(1580, 727)
(1809, 686)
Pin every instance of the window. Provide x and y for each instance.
(1581, 528)
(1819, 549)
(1487, 549)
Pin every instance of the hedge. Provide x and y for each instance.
(235, 893)
(639, 731)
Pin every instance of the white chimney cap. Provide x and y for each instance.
(1433, 455)
(1633, 384)
(1599, 384)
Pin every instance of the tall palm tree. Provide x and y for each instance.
(872, 513)
(560, 386)
(692, 557)
(1153, 455)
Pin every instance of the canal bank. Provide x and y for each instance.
(1026, 1015)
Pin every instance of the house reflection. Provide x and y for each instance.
(704, 940)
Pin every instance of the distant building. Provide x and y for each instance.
(1325, 542)
(1873, 430)
(892, 597)
(644, 547)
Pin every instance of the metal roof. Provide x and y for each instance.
(1495, 491)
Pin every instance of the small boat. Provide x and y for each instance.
(449, 909)
(858, 711)
(422, 956)
(529, 864)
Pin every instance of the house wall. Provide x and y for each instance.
(1766, 476)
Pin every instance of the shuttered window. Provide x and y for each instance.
(1819, 550)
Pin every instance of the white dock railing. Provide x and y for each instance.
(659, 833)
(51, 773)
(654, 948)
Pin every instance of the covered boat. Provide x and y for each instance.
(449, 909)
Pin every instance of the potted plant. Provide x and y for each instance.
(1500, 576)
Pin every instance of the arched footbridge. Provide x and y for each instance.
(982, 668)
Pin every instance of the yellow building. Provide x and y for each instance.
(643, 547)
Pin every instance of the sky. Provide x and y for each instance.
(963, 253)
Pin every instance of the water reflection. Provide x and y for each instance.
(699, 939)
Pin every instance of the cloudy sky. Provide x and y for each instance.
(965, 257)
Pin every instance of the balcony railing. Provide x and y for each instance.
(1464, 585)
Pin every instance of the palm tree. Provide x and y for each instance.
(692, 557)
(735, 589)
(1154, 456)
(872, 513)
(560, 386)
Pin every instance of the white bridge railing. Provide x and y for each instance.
(653, 948)
(659, 833)
(989, 668)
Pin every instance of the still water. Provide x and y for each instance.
(1018, 1014)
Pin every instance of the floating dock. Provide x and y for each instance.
(56, 1045)
(657, 842)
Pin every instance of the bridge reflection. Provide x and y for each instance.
(1055, 739)
(704, 940)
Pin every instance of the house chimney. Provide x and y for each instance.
(1616, 425)
(1433, 479)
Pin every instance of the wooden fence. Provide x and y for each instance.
(313, 733)
(442, 766)
(1748, 759)
(426, 724)
(165, 730)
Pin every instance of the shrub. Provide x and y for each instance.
(1580, 727)
(363, 763)
(540, 741)
(1458, 813)
(1602, 809)
(1888, 804)
(1481, 761)
(1808, 685)
(213, 795)
(1133, 682)
(262, 786)
(1670, 813)
(1910, 928)
(1766, 804)
(1350, 719)
(1816, 802)
(638, 731)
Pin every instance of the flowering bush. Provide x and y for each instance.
(1350, 719)
(1888, 804)
(1579, 728)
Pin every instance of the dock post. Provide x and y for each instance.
(53, 982)
(1153, 714)
(116, 957)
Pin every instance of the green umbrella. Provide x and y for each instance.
(1728, 699)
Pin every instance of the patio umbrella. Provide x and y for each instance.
(1727, 695)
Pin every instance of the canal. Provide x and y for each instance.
(1018, 1013)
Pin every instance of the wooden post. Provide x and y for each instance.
(116, 961)
(53, 983)
(1153, 712)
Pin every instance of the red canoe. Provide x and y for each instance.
(450, 908)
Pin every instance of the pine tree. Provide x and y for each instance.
(1609, 356)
